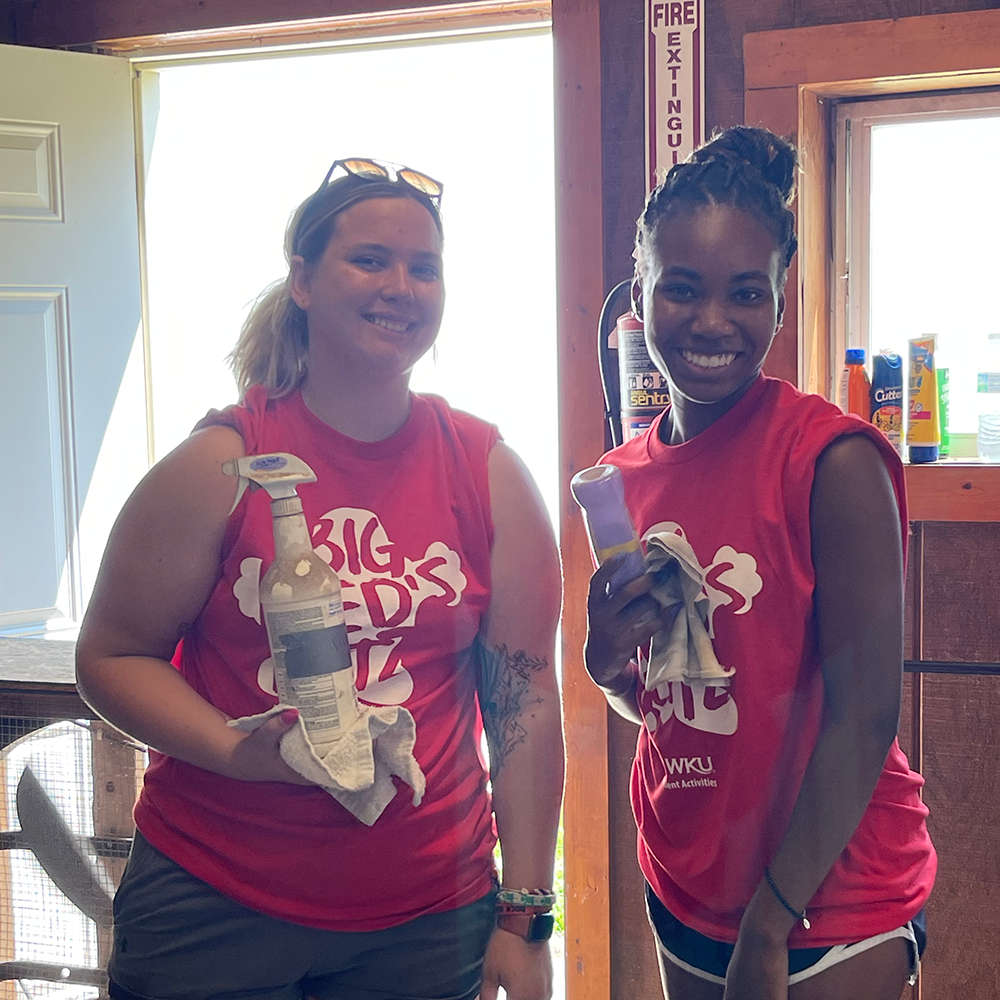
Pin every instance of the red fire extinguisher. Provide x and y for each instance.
(634, 390)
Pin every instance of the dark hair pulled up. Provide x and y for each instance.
(749, 168)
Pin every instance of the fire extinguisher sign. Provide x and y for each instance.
(675, 83)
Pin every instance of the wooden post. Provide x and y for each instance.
(580, 293)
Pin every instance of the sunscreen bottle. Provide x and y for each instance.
(600, 492)
(855, 387)
(923, 434)
(303, 610)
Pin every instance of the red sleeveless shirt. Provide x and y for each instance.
(406, 524)
(717, 770)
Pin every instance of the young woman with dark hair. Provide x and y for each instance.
(781, 830)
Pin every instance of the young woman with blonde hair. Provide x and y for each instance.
(246, 879)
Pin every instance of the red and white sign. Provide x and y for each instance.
(675, 83)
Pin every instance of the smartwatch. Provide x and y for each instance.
(530, 926)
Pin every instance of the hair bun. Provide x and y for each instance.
(768, 153)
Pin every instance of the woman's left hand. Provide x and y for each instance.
(522, 968)
(758, 970)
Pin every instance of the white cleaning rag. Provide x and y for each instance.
(357, 768)
(685, 653)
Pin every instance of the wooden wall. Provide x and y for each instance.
(953, 595)
(727, 21)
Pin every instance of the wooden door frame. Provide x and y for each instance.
(580, 294)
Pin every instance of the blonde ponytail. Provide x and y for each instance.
(273, 348)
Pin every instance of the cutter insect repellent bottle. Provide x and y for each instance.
(887, 397)
(601, 493)
(302, 606)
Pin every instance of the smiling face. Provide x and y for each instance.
(712, 300)
(374, 299)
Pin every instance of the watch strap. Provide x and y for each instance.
(530, 926)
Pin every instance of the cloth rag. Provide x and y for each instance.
(357, 768)
(685, 651)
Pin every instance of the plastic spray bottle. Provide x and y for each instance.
(855, 387)
(303, 609)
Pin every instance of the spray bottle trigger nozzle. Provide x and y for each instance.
(241, 488)
(279, 473)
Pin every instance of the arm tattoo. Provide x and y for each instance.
(504, 683)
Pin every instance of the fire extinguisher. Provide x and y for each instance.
(634, 390)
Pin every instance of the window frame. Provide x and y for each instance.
(853, 122)
(794, 78)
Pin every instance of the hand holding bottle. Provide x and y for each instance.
(257, 756)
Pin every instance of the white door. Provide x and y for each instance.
(72, 408)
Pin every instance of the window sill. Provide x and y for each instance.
(953, 490)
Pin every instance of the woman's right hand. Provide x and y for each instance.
(618, 623)
(257, 757)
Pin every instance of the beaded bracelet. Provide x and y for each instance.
(801, 917)
(545, 898)
(515, 908)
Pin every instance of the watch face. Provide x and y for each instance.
(541, 927)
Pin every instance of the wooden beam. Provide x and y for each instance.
(953, 492)
(815, 243)
(26, 700)
(477, 16)
(55, 23)
(966, 43)
(580, 286)
(778, 110)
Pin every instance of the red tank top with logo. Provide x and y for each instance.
(718, 769)
(406, 524)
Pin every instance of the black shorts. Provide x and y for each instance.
(708, 959)
(177, 938)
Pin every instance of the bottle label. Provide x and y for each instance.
(312, 664)
(643, 387)
(316, 651)
(843, 394)
(303, 616)
(988, 382)
(327, 703)
(889, 420)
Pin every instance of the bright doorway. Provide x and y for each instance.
(234, 145)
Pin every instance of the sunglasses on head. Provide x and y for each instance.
(393, 173)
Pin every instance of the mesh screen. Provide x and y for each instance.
(67, 788)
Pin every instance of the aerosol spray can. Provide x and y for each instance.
(887, 397)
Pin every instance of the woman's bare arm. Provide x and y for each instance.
(857, 555)
(519, 695)
(159, 568)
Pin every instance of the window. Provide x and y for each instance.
(917, 208)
